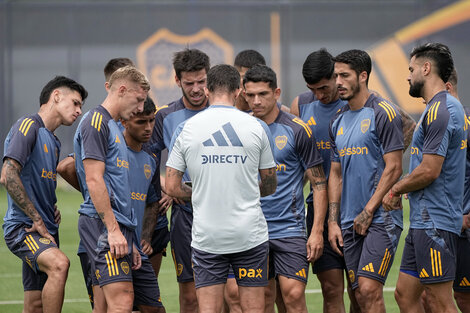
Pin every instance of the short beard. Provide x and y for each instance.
(355, 90)
(416, 89)
(189, 101)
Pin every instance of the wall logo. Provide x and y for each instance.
(154, 57)
(281, 142)
(221, 140)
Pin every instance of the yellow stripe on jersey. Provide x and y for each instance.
(305, 126)
(109, 262)
(29, 246)
(25, 126)
(432, 113)
(33, 242)
(93, 119)
(116, 265)
(99, 122)
(96, 120)
(385, 262)
(159, 108)
(436, 262)
(389, 109)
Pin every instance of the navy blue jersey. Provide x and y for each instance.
(98, 137)
(466, 195)
(37, 150)
(294, 151)
(167, 120)
(142, 176)
(359, 139)
(442, 131)
(306, 97)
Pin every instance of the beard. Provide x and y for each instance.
(187, 97)
(355, 89)
(416, 88)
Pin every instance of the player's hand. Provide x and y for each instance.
(146, 247)
(136, 259)
(314, 246)
(178, 201)
(165, 203)
(392, 201)
(466, 222)
(117, 243)
(57, 215)
(334, 237)
(39, 227)
(362, 222)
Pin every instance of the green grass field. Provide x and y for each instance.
(76, 299)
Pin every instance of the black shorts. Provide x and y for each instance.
(88, 276)
(160, 239)
(146, 290)
(329, 260)
(430, 255)
(94, 237)
(288, 257)
(180, 237)
(28, 246)
(462, 275)
(371, 255)
(250, 267)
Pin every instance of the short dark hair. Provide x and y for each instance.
(358, 60)
(115, 64)
(190, 60)
(58, 82)
(149, 107)
(248, 58)
(318, 65)
(439, 54)
(223, 77)
(261, 73)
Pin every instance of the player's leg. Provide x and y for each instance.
(146, 290)
(32, 284)
(332, 287)
(408, 293)
(119, 296)
(353, 305)
(463, 301)
(99, 301)
(32, 302)
(210, 298)
(180, 237)
(280, 305)
(270, 295)
(251, 271)
(378, 252)
(160, 239)
(231, 296)
(439, 297)
(293, 293)
(462, 274)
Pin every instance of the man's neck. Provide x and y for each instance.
(431, 89)
(222, 99)
(359, 99)
(111, 106)
(271, 116)
(49, 117)
(132, 143)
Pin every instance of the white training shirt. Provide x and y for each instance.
(223, 148)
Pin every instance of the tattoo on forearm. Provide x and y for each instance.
(268, 183)
(333, 212)
(363, 217)
(319, 181)
(16, 190)
(150, 220)
(408, 124)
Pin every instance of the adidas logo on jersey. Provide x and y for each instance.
(302, 273)
(464, 282)
(223, 137)
(340, 132)
(311, 121)
(368, 268)
(423, 274)
(117, 139)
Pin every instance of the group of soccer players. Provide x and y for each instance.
(239, 247)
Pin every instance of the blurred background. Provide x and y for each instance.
(41, 39)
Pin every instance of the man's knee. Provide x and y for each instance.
(295, 294)
(32, 302)
(369, 291)
(54, 262)
(463, 301)
(188, 297)
(331, 290)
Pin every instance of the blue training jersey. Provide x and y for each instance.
(37, 150)
(442, 131)
(466, 194)
(359, 139)
(98, 137)
(294, 151)
(167, 120)
(143, 173)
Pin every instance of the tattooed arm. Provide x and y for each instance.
(268, 182)
(174, 185)
(94, 171)
(390, 175)
(150, 220)
(408, 124)
(11, 180)
(320, 203)
(335, 186)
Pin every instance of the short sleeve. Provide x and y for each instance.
(266, 158)
(176, 158)
(436, 132)
(94, 133)
(305, 145)
(334, 156)
(389, 127)
(22, 140)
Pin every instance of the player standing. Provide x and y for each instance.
(29, 175)
(367, 147)
(224, 151)
(295, 153)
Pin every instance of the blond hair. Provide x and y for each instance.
(132, 74)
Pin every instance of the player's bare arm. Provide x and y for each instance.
(11, 180)
(150, 220)
(94, 171)
(392, 172)
(335, 185)
(408, 124)
(423, 175)
(66, 169)
(317, 179)
(268, 182)
(174, 185)
(294, 107)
